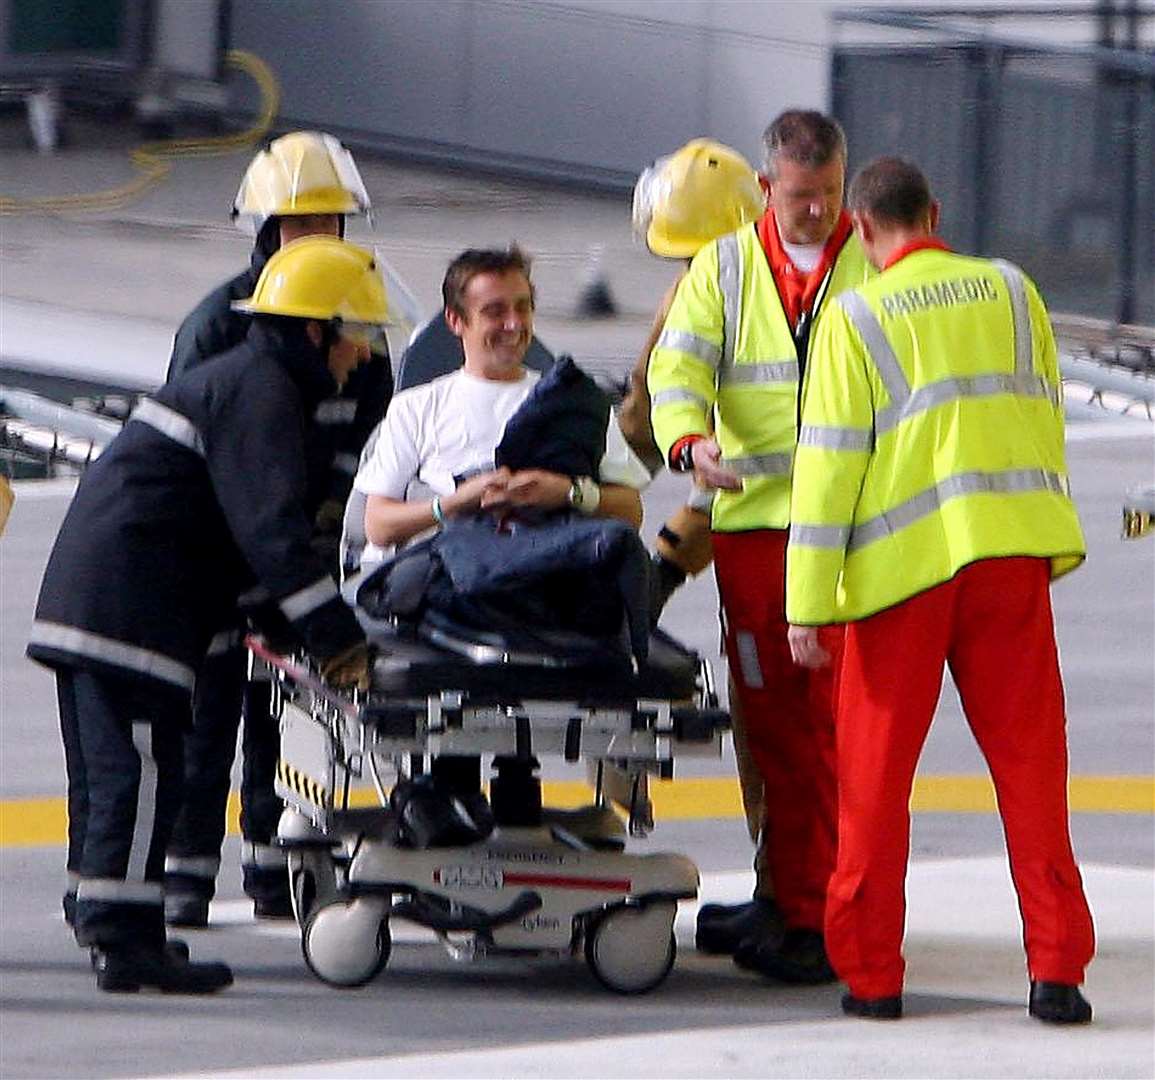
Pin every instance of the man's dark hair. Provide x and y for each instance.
(476, 261)
(805, 137)
(891, 190)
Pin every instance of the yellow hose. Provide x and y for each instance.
(153, 159)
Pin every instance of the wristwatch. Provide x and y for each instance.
(684, 461)
(584, 494)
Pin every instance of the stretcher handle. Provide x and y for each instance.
(301, 675)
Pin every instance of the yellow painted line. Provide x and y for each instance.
(43, 822)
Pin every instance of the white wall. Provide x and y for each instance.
(578, 89)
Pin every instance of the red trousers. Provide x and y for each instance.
(992, 624)
(789, 719)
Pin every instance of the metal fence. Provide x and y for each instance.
(1041, 154)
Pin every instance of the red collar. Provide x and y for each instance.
(923, 243)
(797, 290)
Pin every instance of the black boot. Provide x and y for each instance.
(723, 927)
(883, 1008)
(1058, 1003)
(125, 969)
(665, 580)
(799, 958)
(186, 909)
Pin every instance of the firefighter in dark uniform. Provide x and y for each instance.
(304, 184)
(201, 498)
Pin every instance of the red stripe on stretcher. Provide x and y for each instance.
(558, 881)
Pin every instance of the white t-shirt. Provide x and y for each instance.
(452, 426)
(804, 256)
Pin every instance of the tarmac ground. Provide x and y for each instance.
(100, 295)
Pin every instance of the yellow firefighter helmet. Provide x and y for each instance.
(700, 192)
(304, 172)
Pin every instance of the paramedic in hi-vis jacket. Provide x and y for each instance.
(202, 497)
(724, 379)
(930, 513)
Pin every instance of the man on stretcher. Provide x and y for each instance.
(446, 432)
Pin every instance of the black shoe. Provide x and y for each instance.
(1058, 1003)
(800, 958)
(176, 950)
(722, 928)
(125, 969)
(882, 1008)
(274, 907)
(184, 909)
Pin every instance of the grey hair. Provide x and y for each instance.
(803, 136)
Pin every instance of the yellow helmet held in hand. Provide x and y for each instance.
(323, 278)
(700, 192)
(304, 172)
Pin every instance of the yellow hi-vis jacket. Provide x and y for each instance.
(932, 437)
(726, 363)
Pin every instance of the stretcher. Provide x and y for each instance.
(544, 880)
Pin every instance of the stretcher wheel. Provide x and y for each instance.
(631, 949)
(312, 881)
(347, 943)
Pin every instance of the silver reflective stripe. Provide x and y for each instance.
(336, 411)
(308, 599)
(730, 286)
(113, 890)
(1024, 342)
(199, 866)
(1012, 481)
(760, 464)
(967, 386)
(169, 422)
(760, 371)
(686, 342)
(748, 659)
(72, 879)
(145, 822)
(97, 647)
(870, 330)
(669, 397)
(820, 536)
(224, 642)
(345, 463)
(264, 856)
(835, 438)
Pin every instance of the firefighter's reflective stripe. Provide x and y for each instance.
(113, 890)
(336, 411)
(84, 643)
(306, 600)
(691, 345)
(145, 823)
(198, 866)
(169, 422)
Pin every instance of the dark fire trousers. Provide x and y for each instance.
(224, 695)
(125, 766)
